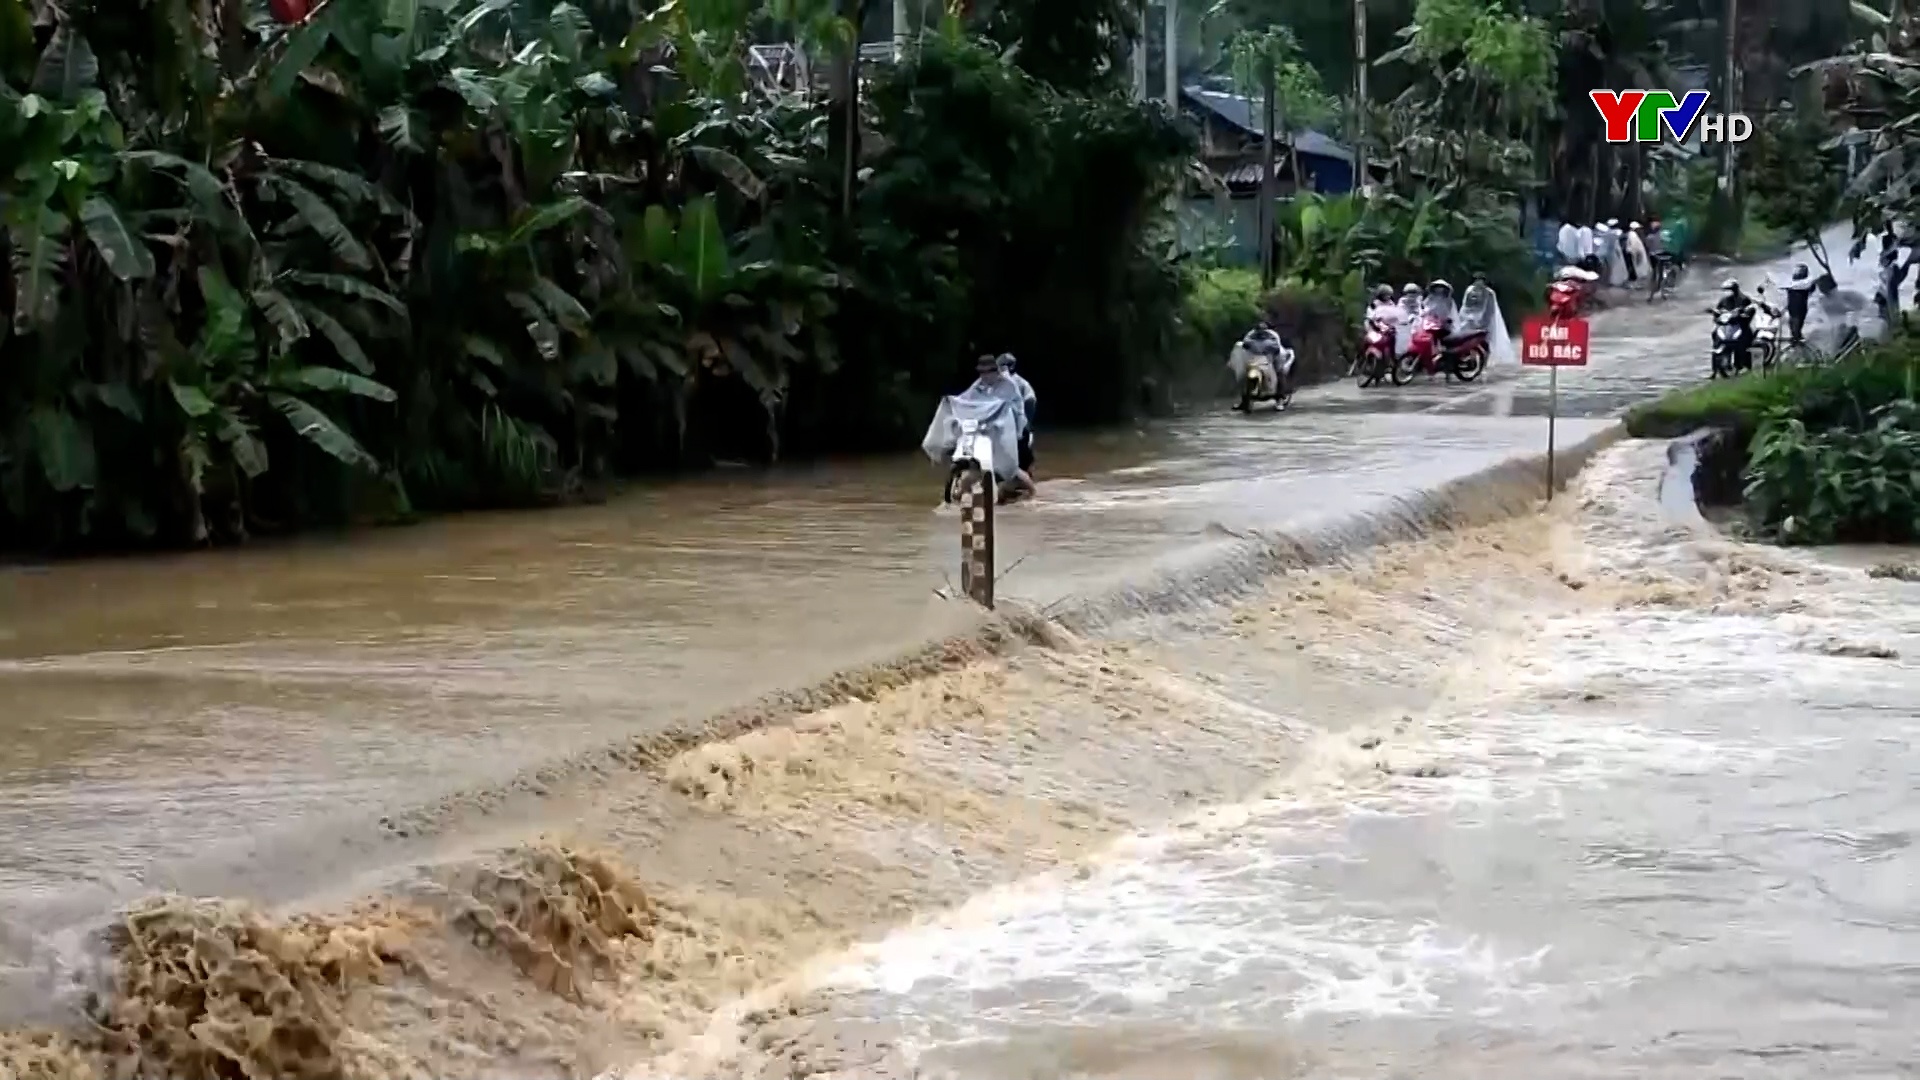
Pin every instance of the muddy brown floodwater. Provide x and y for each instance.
(533, 795)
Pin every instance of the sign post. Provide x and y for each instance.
(977, 497)
(1553, 344)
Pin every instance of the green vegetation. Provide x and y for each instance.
(406, 256)
(1833, 453)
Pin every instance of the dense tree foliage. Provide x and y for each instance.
(450, 253)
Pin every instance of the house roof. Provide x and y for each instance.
(1242, 112)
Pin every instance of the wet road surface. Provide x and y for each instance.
(171, 707)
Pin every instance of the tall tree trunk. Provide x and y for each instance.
(843, 123)
(1266, 219)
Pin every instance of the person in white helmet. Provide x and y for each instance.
(1637, 265)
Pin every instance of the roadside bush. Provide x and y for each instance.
(1832, 453)
(1808, 486)
(1223, 304)
(1220, 306)
(1318, 324)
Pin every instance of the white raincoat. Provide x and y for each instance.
(1480, 310)
(1637, 252)
(1613, 262)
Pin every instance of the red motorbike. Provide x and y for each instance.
(1569, 298)
(1436, 352)
(1376, 353)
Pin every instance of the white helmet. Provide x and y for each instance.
(1729, 285)
(1635, 226)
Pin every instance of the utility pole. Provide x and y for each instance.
(1360, 177)
(1172, 59)
(1727, 160)
(1140, 55)
(1265, 216)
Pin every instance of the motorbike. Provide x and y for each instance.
(1569, 297)
(1731, 348)
(1376, 353)
(975, 438)
(1264, 375)
(1434, 352)
(1766, 337)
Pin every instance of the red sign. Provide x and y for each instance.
(1546, 342)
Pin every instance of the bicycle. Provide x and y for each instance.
(1804, 353)
(1664, 278)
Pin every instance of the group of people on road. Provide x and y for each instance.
(1472, 311)
(1619, 257)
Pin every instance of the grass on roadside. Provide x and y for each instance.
(1736, 403)
(1832, 395)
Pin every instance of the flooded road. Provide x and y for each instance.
(241, 724)
(1669, 833)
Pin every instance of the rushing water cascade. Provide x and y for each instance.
(1319, 750)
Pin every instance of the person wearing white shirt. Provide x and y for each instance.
(1569, 243)
(1583, 244)
(1606, 252)
(1638, 266)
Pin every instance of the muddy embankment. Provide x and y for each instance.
(626, 895)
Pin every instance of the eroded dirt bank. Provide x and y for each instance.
(665, 922)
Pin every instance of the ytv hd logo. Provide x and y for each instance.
(1640, 116)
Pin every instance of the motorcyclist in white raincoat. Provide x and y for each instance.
(1480, 311)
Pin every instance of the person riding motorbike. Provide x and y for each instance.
(1741, 306)
(990, 379)
(1732, 298)
(1029, 403)
(1476, 303)
(1263, 340)
(1799, 296)
(1382, 308)
(1440, 305)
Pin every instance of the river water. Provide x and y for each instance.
(1660, 827)
(1487, 902)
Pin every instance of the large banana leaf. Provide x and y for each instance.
(321, 430)
(124, 252)
(701, 253)
(65, 449)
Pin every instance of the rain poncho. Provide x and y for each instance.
(1395, 316)
(1242, 357)
(1409, 318)
(1569, 243)
(1613, 259)
(1839, 310)
(1637, 254)
(999, 414)
(1480, 310)
(1029, 401)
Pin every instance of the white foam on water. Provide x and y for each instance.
(1235, 918)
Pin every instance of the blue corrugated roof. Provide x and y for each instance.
(1243, 112)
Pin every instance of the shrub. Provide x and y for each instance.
(1809, 486)
(1220, 306)
(1839, 459)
